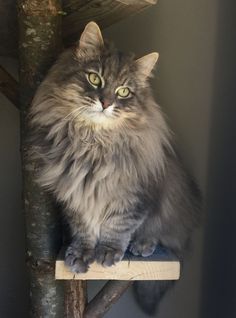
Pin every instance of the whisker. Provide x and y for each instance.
(73, 111)
(76, 111)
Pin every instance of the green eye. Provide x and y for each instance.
(94, 79)
(123, 92)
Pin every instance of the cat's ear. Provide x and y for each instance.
(146, 64)
(91, 37)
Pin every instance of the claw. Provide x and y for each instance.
(78, 260)
(108, 256)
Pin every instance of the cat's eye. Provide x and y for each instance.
(123, 92)
(94, 79)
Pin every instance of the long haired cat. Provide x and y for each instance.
(106, 154)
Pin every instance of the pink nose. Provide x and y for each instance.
(105, 103)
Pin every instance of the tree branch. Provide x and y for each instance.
(9, 87)
(105, 298)
(75, 298)
(39, 45)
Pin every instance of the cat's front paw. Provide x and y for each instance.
(78, 260)
(108, 255)
(142, 248)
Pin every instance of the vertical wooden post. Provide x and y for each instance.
(75, 298)
(39, 44)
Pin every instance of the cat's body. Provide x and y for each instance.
(108, 158)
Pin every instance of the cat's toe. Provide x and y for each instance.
(88, 256)
(108, 256)
(144, 249)
(78, 260)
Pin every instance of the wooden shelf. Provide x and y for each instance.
(162, 265)
(104, 12)
(76, 13)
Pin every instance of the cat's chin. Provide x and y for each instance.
(101, 118)
(98, 115)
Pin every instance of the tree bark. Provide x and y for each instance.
(39, 44)
(75, 298)
(105, 298)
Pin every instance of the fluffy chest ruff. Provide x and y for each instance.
(94, 177)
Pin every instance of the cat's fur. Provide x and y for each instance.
(114, 169)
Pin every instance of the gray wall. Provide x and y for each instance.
(12, 267)
(219, 275)
(194, 84)
(184, 33)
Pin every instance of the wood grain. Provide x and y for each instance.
(104, 12)
(160, 266)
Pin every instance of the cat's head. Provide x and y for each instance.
(100, 85)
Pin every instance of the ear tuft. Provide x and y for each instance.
(146, 63)
(91, 36)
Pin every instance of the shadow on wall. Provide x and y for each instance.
(184, 33)
(219, 261)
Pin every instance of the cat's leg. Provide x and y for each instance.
(81, 251)
(145, 239)
(115, 236)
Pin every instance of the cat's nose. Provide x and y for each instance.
(105, 102)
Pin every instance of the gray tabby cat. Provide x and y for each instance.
(106, 154)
